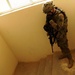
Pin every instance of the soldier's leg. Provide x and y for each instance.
(63, 44)
(67, 54)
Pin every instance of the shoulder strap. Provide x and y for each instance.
(61, 11)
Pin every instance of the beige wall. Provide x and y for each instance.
(8, 61)
(23, 31)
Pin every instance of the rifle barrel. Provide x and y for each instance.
(52, 48)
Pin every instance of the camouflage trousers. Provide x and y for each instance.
(63, 44)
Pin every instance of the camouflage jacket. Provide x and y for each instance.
(58, 21)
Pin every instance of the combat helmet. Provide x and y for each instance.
(47, 6)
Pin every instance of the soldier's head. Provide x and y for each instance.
(48, 7)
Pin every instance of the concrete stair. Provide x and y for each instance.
(50, 65)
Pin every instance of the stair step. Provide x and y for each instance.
(41, 67)
(48, 66)
(60, 67)
(27, 68)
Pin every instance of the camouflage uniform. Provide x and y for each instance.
(58, 21)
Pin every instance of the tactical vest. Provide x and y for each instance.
(61, 11)
(64, 28)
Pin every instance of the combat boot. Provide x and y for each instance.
(71, 62)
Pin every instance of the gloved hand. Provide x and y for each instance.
(53, 24)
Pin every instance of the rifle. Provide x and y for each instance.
(52, 35)
(51, 31)
(52, 40)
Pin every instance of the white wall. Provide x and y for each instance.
(8, 61)
(23, 31)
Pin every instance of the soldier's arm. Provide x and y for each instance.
(53, 24)
(60, 21)
(59, 24)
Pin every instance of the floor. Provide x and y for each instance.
(50, 65)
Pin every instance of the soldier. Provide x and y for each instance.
(56, 28)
